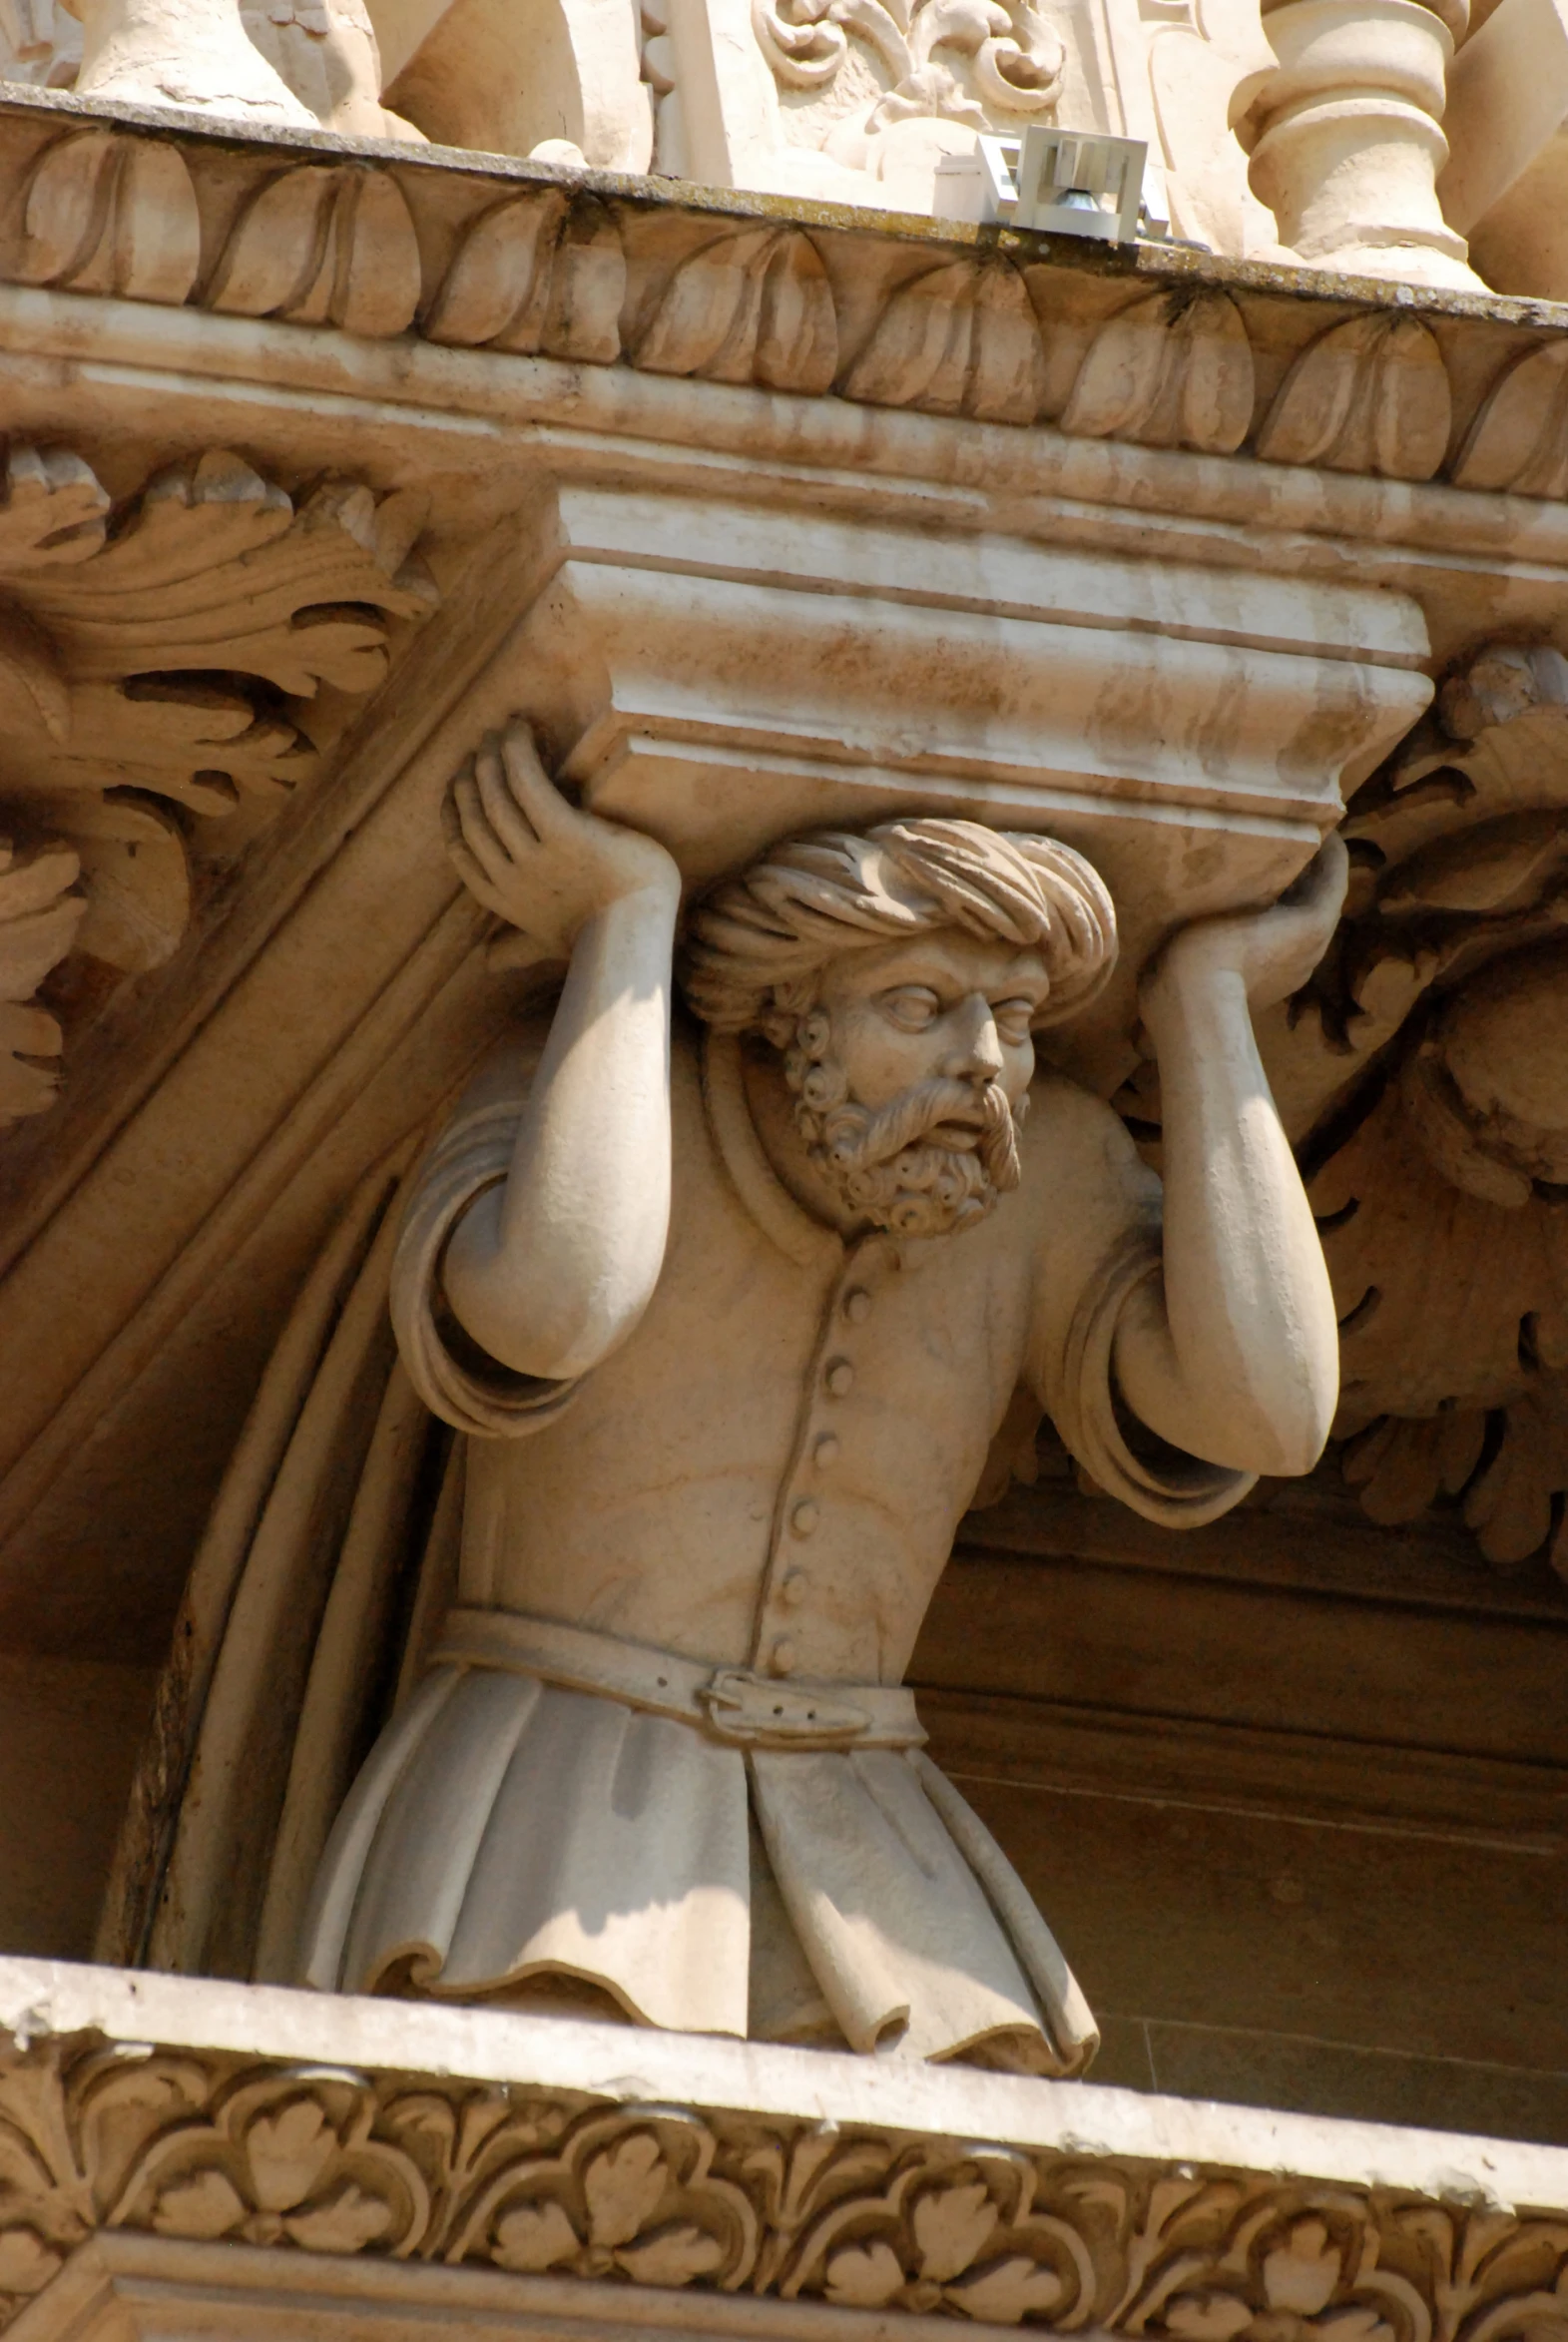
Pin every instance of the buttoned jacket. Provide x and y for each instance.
(769, 1471)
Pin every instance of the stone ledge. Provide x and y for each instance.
(1148, 345)
(142, 2115)
(1150, 262)
(121, 2285)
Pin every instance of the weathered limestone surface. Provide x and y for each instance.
(570, 444)
(367, 2164)
(1380, 133)
(1014, 462)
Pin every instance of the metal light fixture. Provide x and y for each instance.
(1066, 182)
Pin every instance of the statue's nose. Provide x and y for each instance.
(980, 1056)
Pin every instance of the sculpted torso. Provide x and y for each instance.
(716, 1441)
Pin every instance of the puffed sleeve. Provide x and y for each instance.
(1100, 1240)
(456, 1379)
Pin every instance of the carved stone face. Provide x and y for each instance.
(911, 1074)
(945, 1006)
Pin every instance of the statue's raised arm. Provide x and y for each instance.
(1233, 1354)
(550, 1271)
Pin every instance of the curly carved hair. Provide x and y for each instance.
(757, 943)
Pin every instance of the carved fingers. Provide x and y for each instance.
(1272, 951)
(1289, 940)
(484, 857)
(535, 861)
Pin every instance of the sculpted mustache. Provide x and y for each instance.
(856, 1137)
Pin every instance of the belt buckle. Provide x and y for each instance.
(752, 1709)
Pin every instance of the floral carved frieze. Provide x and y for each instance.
(158, 657)
(1170, 351)
(212, 2146)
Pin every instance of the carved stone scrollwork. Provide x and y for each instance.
(1427, 1070)
(980, 62)
(150, 660)
(806, 42)
(207, 2147)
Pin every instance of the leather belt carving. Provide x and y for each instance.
(731, 1704)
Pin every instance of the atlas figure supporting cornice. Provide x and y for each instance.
(729, 1298)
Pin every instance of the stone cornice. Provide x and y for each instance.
(191, 2112)
(1153, 264)
(1155, 346)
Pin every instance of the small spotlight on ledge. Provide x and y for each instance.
(1066, 182)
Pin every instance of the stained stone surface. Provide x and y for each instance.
(155, 2113)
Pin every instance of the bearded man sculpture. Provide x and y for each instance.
(729, 1306)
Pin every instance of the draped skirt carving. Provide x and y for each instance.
(505, 1830)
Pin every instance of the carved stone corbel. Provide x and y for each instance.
(151, 662)
(1424, 1073)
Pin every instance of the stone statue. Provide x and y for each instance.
(306, 63)
(729, 1301)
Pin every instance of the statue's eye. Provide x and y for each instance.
(1013, 1018)
(911, 1006)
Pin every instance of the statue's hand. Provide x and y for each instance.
(536, 860)
(1272, 951)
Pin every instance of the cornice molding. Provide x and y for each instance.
(1153, 346)
(440, 2141)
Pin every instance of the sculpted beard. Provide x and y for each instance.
(881, 1160)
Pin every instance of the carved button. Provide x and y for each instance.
(839, 1376)
(857, 1306)
(824, 1449)
(803, 1518)
(782, 1658)
(792, 1588)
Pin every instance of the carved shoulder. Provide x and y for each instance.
(1070, 1132)
(1084, 1184)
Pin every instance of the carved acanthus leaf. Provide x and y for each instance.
(1370, 396)
(957, 340)
(210, 2147)
(157, 659)
(320, 246)
(214, 570)
(1425, 1072)
(1171, 370)
(1508, 1471)
(40, 913)
(54, 509)
(1454, 862)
